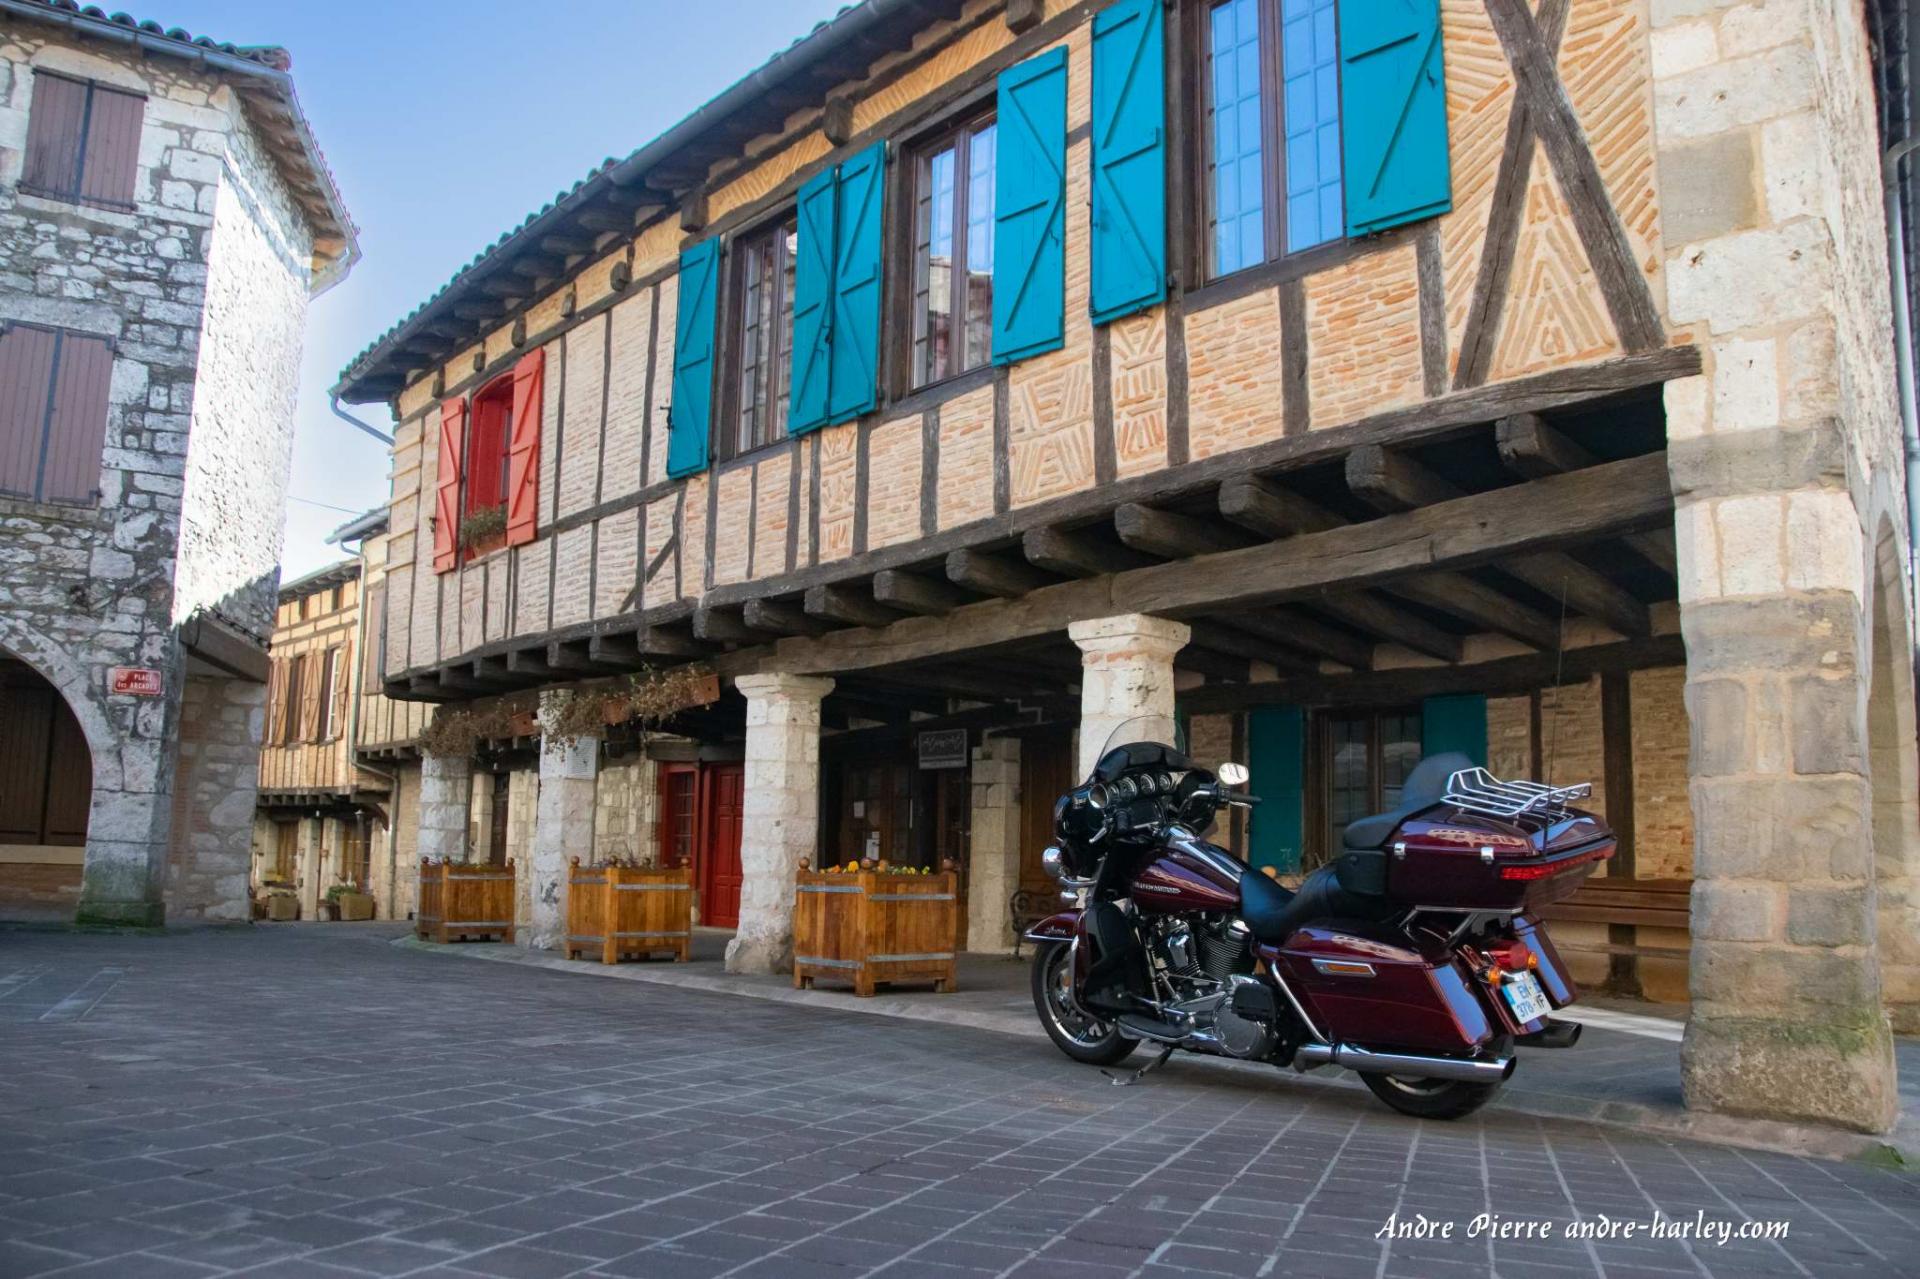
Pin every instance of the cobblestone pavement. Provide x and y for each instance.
(312, 1101)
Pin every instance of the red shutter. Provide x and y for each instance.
(523, 452)
(446, 501)
(112, 152)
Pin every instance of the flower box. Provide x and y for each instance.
(875, 927)
(461, 901)
(282, 907)
(355, 907)
(617, 912)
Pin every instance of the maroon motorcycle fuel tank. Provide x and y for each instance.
(1189, 874)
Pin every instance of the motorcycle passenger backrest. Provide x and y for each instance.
(1427, 783)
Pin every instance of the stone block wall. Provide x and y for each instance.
(215, 784)
(625, 800)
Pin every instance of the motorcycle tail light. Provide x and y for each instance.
(1542, 870)
(1511, 955)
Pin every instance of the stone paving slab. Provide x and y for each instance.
(1625, 1071)
(319, 1102)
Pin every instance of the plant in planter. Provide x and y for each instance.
(483, 529)
(351, 901)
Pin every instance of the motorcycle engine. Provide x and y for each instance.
(1204, 960)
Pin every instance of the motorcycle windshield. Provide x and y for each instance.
(1144, 741)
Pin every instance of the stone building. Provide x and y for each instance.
(1354, 380)
(165, 215)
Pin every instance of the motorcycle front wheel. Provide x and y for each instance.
(1429, 1098)
(1074, 1032)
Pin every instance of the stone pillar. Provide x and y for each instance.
(1127, 673)
(781, 822)
(562, 827)
(1785, 453)
(993, 856)
(444, 784)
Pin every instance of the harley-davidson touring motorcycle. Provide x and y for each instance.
(1414, 958)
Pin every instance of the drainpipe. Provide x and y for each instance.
(333, 402)
(1903, 364)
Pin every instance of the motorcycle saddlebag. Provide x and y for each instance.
(1363, 984)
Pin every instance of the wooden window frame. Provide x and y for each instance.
(495, 390)
(1197, 57)
(1317, 839)
(74, 195)
(724, 443)
(953, 129)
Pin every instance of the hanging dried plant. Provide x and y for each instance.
(456, 732)
(649, 697)
(483, 526)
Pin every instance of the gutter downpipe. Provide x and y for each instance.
(1904, 366)
(333, 402)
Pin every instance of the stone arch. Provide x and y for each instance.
(1893, 767)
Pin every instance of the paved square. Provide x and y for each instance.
(312, 1101)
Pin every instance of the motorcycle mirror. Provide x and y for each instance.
(1231, 774)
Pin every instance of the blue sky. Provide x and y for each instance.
(446, 124)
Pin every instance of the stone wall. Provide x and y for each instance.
(624, 810)
(221, 722)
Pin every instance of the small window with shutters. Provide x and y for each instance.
(329, 726)
(483, 518)
(760, 357)
(487, 486)
(953, 225)
(83, 141)
(287, 724)
(54, 387)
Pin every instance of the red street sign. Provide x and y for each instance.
(134, 681)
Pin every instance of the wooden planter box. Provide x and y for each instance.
(874, 928)
(626, 912)
(282, 908)
(355, 907)
(464, 902)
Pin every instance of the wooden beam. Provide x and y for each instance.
(1219, 638)
(1075, 553)
(567, 246)
(1213, 663)
(1394, 625)
(575, 657)
(1603, 501)
(1497, 678)
(659, 641)
(510, 290)
(913, 593)
(1267, 508)
(848, 606)
(1393, 481)
(1296, 630)
(1531, 447)
(782, 619)
(1478, 604)
(725, 625)
(993, 574)
(1169, 534)
(531, 663)
(422, 688)
(455, 680)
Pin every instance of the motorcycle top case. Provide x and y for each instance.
(1445, 858)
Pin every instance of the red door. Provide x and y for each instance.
(718, 872)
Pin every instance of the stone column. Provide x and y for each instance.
(993, 857)
(444, 784)
(562, 828)
(781, 822)
(1127, 673)
(1785, 454)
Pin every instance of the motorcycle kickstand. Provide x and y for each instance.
(1125, 1081)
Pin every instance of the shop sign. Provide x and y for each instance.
(944, 748)
(134, 681)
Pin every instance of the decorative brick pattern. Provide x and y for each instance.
(893, 489)
(1363, 336)
(1050, 427)
(1604, 64)
(693, 537)
(1234, 375)
(1554, 314)
(632, 322)
(1139, 392)
(1479, 98)
(839, 463)
(966, 458)
(532, 566)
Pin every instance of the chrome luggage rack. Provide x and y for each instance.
(1475, 790)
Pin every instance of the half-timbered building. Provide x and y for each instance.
(1355, 380)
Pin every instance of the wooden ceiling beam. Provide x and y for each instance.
(1169, 534)
(994, 574)
(1272, 510)
(1392, 481)
(1077, 553)
(1376, 617)
(1296, 630)
(726, 625)
(914, 593)
(848, 606)
(782, 619)
(1531, 447)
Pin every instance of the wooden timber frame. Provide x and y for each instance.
(874, 928)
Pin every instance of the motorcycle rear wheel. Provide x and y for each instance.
(1073, 1032)
(1429, 1098)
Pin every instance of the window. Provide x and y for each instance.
(373, 652)
(1270, 106)
(763, 336)
(1367, 757)
(53, 413)
(329, 726)
(83, 141)
(286, 851)
(953, 252)
(489, 431)
(288, 722)
(680, 800)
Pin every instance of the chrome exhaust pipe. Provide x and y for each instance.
(1555, 1034)
(1485, 1070)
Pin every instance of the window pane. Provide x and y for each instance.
(1399, 752)
(1238, 156)
(487, 447)
(1311, 70)
(933, 270)
(780, 376)
(982, 146)
(754, 283)
(1349, 797)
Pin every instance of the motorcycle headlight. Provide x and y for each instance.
(1097, 796)
(1053, 861)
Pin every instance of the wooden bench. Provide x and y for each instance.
(1027, 908)
(1626, 906)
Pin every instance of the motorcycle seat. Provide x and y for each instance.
(1272, 912)
(1424, 787)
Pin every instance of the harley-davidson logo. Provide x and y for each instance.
(1157, 888)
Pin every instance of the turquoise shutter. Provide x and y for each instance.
(1393, 102)
(1030, 210)
(853, 384)
(1129, 159)
(813, 303)
(1277, 759)
(690, 416)
(1455, 724)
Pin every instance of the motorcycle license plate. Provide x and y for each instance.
(1524, 996)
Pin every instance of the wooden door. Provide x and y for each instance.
(497, 826)
(1046, 773)
(718, 874)
(679, 826)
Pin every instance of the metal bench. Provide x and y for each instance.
(1027, 908)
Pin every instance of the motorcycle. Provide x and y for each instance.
(1414, 958)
